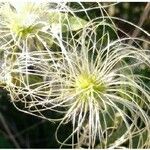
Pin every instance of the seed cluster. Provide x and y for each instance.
(55, 61)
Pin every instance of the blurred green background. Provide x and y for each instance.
(19, 130)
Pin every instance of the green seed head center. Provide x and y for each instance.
(89, 82)
(23, 30)
(26, 26)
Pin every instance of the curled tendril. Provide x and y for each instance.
(82, 73)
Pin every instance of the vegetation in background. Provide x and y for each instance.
(26, 131)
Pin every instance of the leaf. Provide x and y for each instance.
(73, 23)
(114, 136)
(107, 118)
(139, 140)
(32, 80)
(4, 143)
(66, 21)
(117, 134)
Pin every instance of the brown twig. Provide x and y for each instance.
(141, 21)
(2, 120)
